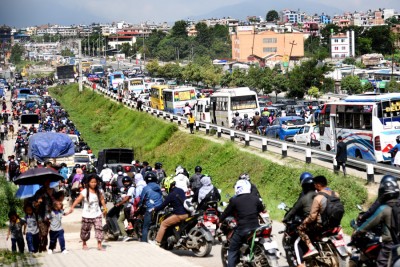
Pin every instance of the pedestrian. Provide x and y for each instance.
(56, 229)
(2, 131)
(91, 196)
(341, 154)
(15, 232)
(1, 150)
(191, 122)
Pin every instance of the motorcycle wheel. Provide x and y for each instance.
(261, 258)
(151, 234)
(224, 253)
(138, 228)
(341, 260)
(204, 248)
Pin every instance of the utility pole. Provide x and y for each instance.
(292, 43)
(80, 65)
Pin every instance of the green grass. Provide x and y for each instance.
(9, 258)
(107, 124)
(8, 200)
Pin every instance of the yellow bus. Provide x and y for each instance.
(156, 97)
(86, 66)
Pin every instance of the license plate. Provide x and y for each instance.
(211, 226)
(270, 245)
(339, 243)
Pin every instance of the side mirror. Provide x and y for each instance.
(359, 208)
(282, 206)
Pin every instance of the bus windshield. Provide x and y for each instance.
(243, 102)
(117, 76)
(388, 109)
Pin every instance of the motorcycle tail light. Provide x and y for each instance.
(266, 232)
(211, 218)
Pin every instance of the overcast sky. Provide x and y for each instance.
(21, 13)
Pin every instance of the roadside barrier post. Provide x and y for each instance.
(164, 115)
(147, 109)
(179, 121)
(246, 139)
(335, 167)
(158, 113)
(264, 144)
(308, 155)
(370, 174)
(197, 125)
(171, 118)
(187, 123)
(284, 150)
(232, 135)
(219, 131)
(207, 128)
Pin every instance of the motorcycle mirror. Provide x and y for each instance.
(282, 206)
(359, 208)
(224, 204)
(219, 191)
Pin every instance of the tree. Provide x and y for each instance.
(327, 31)
(127, 49)
(153, 67)
(204, 34)
(313, 92)
(17, 52)
(363, 46)
(67, 53)
(179, 29)
(349, 61)
(392, 86)
(368, 87)
(279, 84)
(272, 15)
(351, 84)
(382, 39)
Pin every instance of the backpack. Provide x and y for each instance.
(12, 167)
(333, 212)
(160, 175)
(195, 181)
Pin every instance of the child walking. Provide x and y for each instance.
(15, 231)
(56, 229)
(31, 229)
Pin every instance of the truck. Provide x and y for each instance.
(66, 72)
(114, 157)
(54, 147)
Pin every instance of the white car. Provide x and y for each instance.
(308, 134)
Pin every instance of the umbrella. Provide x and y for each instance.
(38, 176)
(26, 191)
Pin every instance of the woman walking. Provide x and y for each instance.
(92, 196)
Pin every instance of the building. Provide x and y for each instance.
(291, 16)
(246, 43)
(343, 45)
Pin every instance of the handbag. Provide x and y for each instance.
(75, 186)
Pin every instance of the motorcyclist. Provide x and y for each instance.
(181, 180)
(106, 175)
(388, 194)
(237, 120)
(256, 121)
(265, 112)
(245, 207)
(175, 198)
(313, 222)
(117, 181)
(206, 193)
(127, 195)
(254, 190)
(159, 171)
(128, 171)
(151, 197)
(264, 121)
(246, 122)
(304, 176)
(194, 181)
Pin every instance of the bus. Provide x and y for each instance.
(114, 80)
(97, 70)
(368, 123)
(136, 86)
(226, 102)
(156, 98)
(202, 110)
(176, 97)
(86, 66)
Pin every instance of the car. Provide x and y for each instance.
(93, 78)
(285, 128)
(308, 134)
(297, 108)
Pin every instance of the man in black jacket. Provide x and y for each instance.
(341, 154)
(175, 198)
(245, 207)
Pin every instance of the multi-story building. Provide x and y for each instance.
(291, 16)
(343, 45)
(247, 43)
(325, 19)
(67, 31)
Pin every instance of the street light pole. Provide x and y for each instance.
(80, 65)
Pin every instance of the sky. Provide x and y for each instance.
(23, 13)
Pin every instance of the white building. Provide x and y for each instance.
(343, 45)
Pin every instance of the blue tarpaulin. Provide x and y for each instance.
(50, 145)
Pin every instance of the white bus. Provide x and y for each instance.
(175, 98)
(202, 110)
(369, 125)
(137, 86)
(226, 102)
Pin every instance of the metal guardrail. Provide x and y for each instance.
(368, 166)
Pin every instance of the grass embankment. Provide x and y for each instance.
(8, 200)
(104, 123)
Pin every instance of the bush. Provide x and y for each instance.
(8, 200)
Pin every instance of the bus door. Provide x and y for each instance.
(213, 110)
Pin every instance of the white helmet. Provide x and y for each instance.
(119, 173)
(242, 187)
(179, 170)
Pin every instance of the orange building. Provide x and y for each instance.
(267, 45)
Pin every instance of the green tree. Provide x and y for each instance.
(127, 49)
(170, 71)
(368, 87)
(179, 29)
(349, 61)
(351, 84)
(382, 39)
(363, 46)
(153, 67)
(67, 52)
(326, 33)
(17, 51)
(392, 86)
(313, 92)
(279, 84)
(272, 15)
(204, 34)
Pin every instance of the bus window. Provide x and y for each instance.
(243, 102)
(207, 108)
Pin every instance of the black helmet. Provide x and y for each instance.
(119, 168)
(127, 179)
(246, 116)
(237, 114)
(307, 184)
(63, 164)
(388, 178)
(148, 169)
(150, 177)
(257, 113)
(305, 175)
(388, 190)
(158, 165)
(244, 176)
(198, 169)
(77, 165)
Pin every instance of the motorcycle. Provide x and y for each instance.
(190, 234)
(108, 192)
(259, 250)
(330, 245)
(211, 217)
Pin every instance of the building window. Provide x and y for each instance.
(269, 49)
(342, 40)
(336, 40)
(269, 40)
(343, 48)
(336, 48)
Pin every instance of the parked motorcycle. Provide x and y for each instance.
(330, 245)
(259, 250)
(190, 234)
